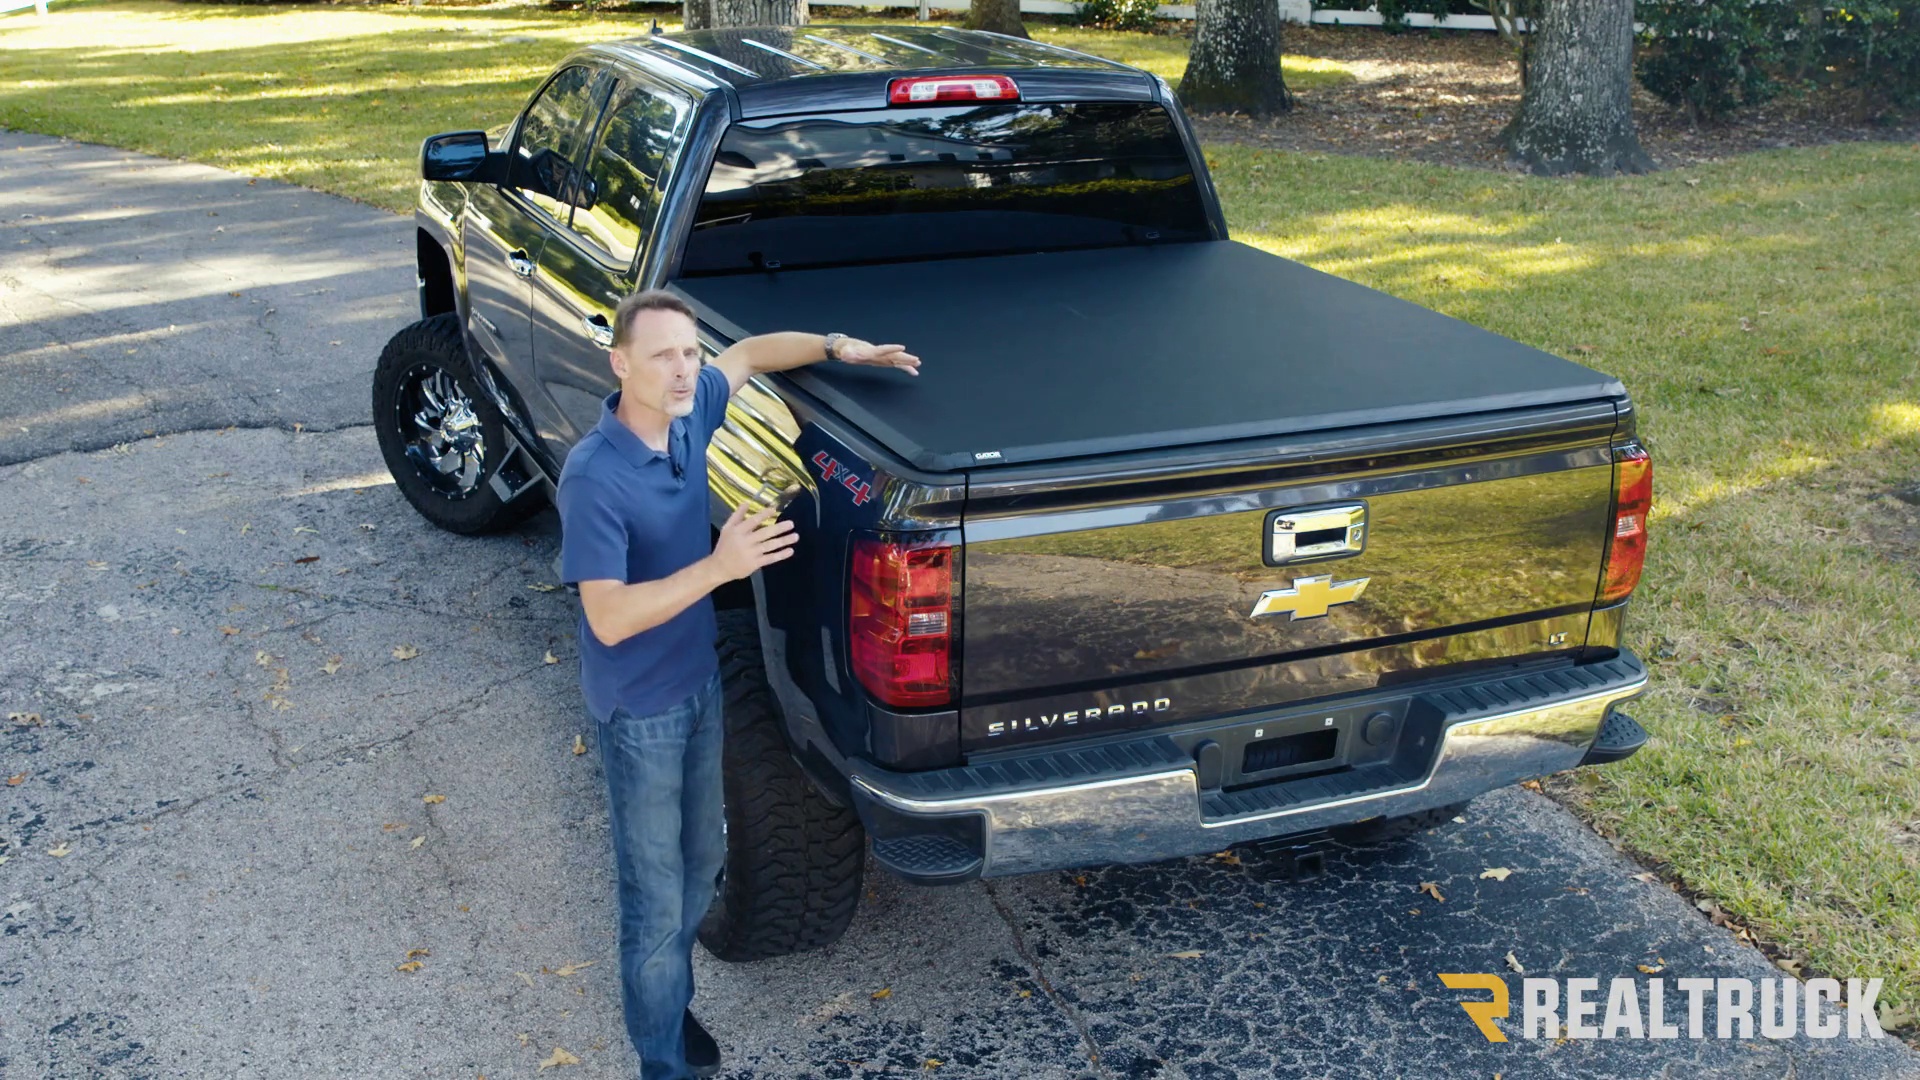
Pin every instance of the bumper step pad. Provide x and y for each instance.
(927, 858)
(1620, 737)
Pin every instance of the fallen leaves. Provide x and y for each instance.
(409, 967)
(229, 630)
(332, 665)
(60, 852)
(433, 800)
(405, 652)
(579, 746)
(414, 844)
(1652, 969)
(305, 559)
(16, 780)
(1514, 965)
(567, 970)
(544, 587)
(1187, 954)
(1718, 917)
(882, 994)
(1497, 873)
(558, 1058)
(25, 719)
(1227, 857)
(415, 954)
(549, 658)
(1431, 888)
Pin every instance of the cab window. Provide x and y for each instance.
(548, 143)
(621, 193)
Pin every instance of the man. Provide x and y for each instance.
(635, 537)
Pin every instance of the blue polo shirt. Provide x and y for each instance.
(631, 513)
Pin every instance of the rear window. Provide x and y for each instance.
(887, 185)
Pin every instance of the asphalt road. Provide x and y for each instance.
(219, 854)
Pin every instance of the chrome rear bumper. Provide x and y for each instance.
(1142, 801)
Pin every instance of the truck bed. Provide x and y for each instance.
(1039, 357)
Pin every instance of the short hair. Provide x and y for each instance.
(647, 300)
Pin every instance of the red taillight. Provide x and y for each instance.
(934, 89)
(902, 625)
(1627, 550)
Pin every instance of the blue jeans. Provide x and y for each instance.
(664, 795)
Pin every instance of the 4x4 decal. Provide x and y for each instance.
(831, 470)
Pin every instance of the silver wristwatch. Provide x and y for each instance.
(833, 342)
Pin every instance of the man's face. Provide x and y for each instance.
(659, 362)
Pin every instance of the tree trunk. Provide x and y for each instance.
(1234, 65)
(999, 16)
(1813, 27)
(759, 12)
(696, 14)
(1576, 115)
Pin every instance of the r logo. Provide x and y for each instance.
(1483, 1013)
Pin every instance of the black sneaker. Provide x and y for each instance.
(703, 1054)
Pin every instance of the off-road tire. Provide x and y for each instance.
(794, 860)
(1386, 830)
(438, 344)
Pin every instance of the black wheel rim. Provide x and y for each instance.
(443, 435)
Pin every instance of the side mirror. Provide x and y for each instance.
(461, 157)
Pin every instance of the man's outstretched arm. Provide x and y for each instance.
(787, 350)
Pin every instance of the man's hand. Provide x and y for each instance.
(748, 543)
(855, 351)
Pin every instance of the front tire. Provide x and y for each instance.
(441, 438)
(794, 860)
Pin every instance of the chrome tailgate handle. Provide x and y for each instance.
(1313, 533)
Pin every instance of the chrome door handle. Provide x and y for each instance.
(521, 264)
(1312, 534)
(597, 329)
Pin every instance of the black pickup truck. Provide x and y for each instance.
(1174, 546)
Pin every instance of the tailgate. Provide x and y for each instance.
(1181, 601)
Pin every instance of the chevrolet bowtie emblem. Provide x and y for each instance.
(1309, 598)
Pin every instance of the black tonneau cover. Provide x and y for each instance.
(1036, 357)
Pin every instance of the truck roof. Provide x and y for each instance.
(779, 68)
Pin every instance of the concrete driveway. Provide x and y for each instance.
(244, 674)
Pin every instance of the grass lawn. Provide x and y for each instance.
(1762, 311)
(338, 97)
